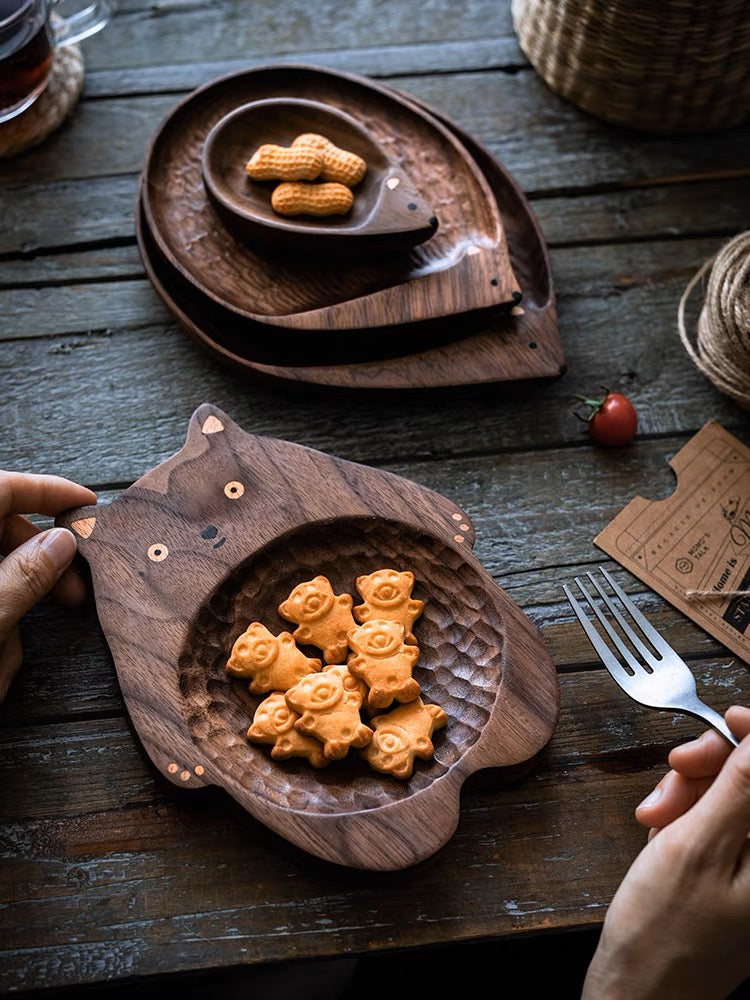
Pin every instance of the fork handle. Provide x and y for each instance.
(705, 712)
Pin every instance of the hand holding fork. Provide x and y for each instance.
(683, 908)
(684, 904)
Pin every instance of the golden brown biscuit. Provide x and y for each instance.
(324, 618)
(329, 703)
(384, 662)
(301, 198)
(271, 162)
(339, 165)
(401, 735)
(274, 662)
(273, 723)
(387, 594)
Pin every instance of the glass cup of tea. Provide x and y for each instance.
(30, 31)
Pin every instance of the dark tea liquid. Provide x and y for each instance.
(25, 52)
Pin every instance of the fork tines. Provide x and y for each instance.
(650, 657)
(657, 676)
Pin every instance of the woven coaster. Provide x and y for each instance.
(50, 109)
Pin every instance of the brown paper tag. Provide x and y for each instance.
(693, 548)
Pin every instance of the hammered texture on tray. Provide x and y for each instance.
(460, 635)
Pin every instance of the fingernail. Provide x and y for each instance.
(60, 545)
(652, 798)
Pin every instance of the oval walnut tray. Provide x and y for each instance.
(488, 347)
(216, 537)
(465, 266)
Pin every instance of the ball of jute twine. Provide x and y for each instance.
(720, 347)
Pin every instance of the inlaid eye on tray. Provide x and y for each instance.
(200, 548)
(387, 212)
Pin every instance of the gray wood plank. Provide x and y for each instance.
(490, 52)
(101, 210)
(670, 210)
(173, 33)
(70, 394)
(89, 308)
(76, 267)
(105, 823)
(548, 145)
(94, 210)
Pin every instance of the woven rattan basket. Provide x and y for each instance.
(661, 65)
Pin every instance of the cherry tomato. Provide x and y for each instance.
(612, 421)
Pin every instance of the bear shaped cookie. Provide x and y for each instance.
(401, 735)
(328, 703)
(274, 662)
(387, 594)
(383, 660)
(324, 619)
(273, 723)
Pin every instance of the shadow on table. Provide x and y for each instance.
(547, 965)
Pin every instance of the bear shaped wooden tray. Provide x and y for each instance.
(217, 537)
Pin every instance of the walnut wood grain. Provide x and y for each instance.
(388, 213)
(171, 604)
(521, 345)
(464, 266)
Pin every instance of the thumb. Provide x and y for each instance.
(29, 572)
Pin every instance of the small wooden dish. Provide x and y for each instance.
(388, 211)
(216, 537)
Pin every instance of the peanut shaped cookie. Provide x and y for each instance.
(273, 723)
(282, 163)
(273, 662)
(301, 198)
(401, 735)
(324, 619)
(387, 594)
(329, 703)
(339, 165)
(383, 661)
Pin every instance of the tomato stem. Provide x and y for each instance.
(596, 403)
(585, 419)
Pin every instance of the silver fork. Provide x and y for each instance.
(660, 679)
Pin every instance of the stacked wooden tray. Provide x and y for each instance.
(471, 304)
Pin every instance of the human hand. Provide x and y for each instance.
(679, 924)
(35, 562)
(694, 766)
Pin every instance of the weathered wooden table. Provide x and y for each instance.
(108, 873)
